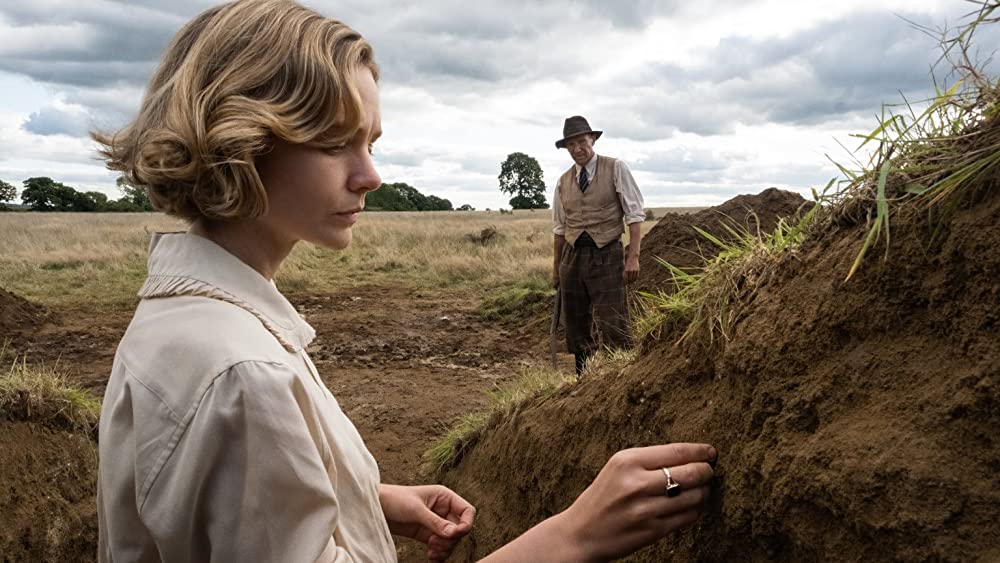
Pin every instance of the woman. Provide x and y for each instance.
(219, 441)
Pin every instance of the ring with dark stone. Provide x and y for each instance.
(673, 487)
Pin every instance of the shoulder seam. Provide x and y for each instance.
(181, 428)
(132, 374)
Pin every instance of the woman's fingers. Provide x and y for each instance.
(451, 506)
(666, 524)
(688, 476)
(669, 455)
(659, 506)
(650, 500)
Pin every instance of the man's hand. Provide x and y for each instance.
(432, 514)
(631, 269)
(555, 278)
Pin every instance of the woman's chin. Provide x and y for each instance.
(334, 241)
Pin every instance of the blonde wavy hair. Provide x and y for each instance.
(234, 79)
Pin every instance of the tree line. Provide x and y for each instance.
(45, 194)
(401, 196)
(520, 176)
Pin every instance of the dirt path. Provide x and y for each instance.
(402, 363)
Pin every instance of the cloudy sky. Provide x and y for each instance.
(703, 100)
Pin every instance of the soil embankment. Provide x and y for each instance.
(855, 420)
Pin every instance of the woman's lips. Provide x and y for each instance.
(350, 217)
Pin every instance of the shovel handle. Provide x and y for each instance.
(556, 311)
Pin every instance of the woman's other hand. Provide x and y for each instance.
(432, 514)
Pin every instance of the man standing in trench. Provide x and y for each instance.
(593, 201)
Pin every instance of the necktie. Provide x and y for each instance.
(583, 180)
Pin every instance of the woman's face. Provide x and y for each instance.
(316, 195)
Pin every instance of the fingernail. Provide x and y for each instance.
(713, 454)
(449, 529)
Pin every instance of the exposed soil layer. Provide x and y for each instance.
(675, 240)
(47, 483)
(855, 420)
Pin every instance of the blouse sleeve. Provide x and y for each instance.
(251, 477)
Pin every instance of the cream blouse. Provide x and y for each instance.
(218, 441)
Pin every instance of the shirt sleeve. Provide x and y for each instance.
(251, 479)
(558, 214)
(629, 194)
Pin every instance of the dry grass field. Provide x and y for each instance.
(100, 259)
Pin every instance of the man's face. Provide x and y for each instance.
(581, 148)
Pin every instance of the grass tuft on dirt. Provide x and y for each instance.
(609, 361)
(935, 160)
(45, 395)
(705, 305)
(525, 299)
(505, 400)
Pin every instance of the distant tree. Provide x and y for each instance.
(90, 201)
(521, 177)
(435, 203)
(404, 197)
(388, 198)
(45, 194)
(417, 200)
(536, 201)
(122, 205)
(7, 192)
(466, 207)
(134, 195)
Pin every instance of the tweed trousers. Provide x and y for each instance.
(593, 297)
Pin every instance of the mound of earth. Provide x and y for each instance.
(47, 507)
(18, 315)
(855, 420)
(675, 240)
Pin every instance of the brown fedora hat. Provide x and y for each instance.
(576, 125)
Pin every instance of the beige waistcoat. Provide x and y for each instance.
(598, 211)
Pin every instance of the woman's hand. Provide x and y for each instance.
(626, 507)
(432, 514)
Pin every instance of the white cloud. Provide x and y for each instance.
(703, 99)
(60, 118)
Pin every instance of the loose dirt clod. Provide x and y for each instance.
(18, 315)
